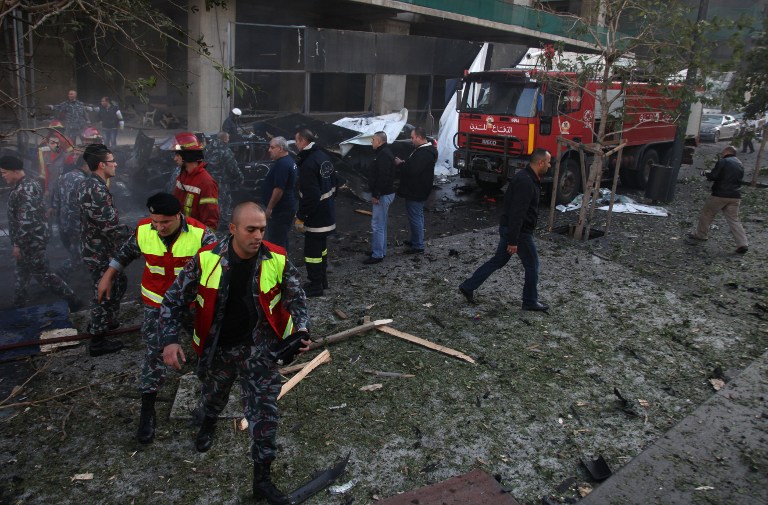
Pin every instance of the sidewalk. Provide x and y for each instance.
(718, 454)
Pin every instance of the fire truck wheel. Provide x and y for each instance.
(650, 157)
(569, 183)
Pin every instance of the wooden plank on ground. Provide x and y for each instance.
(425, 343)
(338, 337)
(323, 357)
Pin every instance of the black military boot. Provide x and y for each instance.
(146, 432)
(325, 271)
(101, 345)
(204, 439)
(263, 486)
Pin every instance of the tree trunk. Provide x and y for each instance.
(760, 155)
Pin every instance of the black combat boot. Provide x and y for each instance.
(204, 439)
(146, 432)
(263, 486)
(102, 345)
(325, 271)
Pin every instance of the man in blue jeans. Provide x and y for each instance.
(417, 174)
(521, 211)
(382, 183)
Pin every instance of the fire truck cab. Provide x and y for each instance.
(505, 114)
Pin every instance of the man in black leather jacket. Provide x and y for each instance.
(416, 178)
(726, 197)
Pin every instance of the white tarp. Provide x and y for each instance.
(391, 124)
(622, 204)
(449, 123)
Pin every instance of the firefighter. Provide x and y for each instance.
(195, 189)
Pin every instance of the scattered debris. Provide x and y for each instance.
(389, 374)
(338, 407)
(584, 489)
(323, 357)
(372, 387)
(82, 476)
(340, 313)
(426, 343)
(319, 481)
(243, 424)
(717, 384)
(342, 488)
(598, 468)
(364, 212)
(338, 337)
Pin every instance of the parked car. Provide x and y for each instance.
(716, 127)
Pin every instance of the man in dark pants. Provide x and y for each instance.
(382, 183)
(521, 211)
(316, 217)
(248, 299)
(167, 240)
(417, 175)
(279, 193)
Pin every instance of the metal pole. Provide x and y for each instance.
(690, 81)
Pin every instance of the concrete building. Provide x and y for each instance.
(326, 59)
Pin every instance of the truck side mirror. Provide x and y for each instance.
(458, 98)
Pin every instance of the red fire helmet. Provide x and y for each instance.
(187, 141)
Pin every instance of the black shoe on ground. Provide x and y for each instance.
(263, 487)
(313, 290)
(537, 307)
(469, 295)
(146, 431)
(102, 345)
(414, 251)
(204, 439)
(742, 250)
(372, 261)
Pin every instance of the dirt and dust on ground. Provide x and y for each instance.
(638, 312)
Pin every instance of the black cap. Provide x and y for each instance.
(164, 204)
(11, 163)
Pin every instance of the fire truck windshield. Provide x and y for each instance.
(499, 97)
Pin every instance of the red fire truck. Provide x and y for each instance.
(505, 114)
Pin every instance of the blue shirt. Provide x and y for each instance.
(282, 175)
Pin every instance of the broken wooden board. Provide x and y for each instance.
(55, 334)
(426, 343)
(323, 357)
(475, 487)
(364, 212)
(357, 330)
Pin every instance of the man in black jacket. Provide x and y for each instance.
(726, 197)
(316, 217)
(521, 211)
(416, 177)
(382, 183)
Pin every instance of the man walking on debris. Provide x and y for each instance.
(195, 189)
(248, 305)
(316, 217)
(29, 234)
(67, 211)
(221, 164)
(382, 184)
(279, 193)
(518, 221)
(726, 197)
(167, 240)
(417, 175)
(101, 236)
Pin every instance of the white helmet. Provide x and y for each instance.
(236, 111)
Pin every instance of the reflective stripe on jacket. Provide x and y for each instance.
(161, 265)
(270, 293)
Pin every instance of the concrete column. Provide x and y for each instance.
(389, 93)
(208, 104)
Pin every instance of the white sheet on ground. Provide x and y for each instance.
(391, 124)
(449, 123)
(622, 204)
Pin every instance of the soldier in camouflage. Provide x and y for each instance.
(101, 236)
(248, 298)
(167, 240)
(223, 168)
(74, 114)
(67, 210)
(29, 234)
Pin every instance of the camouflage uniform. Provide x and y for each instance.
(68, 216)
(29, 232)
(74, 115)
(254, 362)
(153, 370)
(101, 235)
(222, 166)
